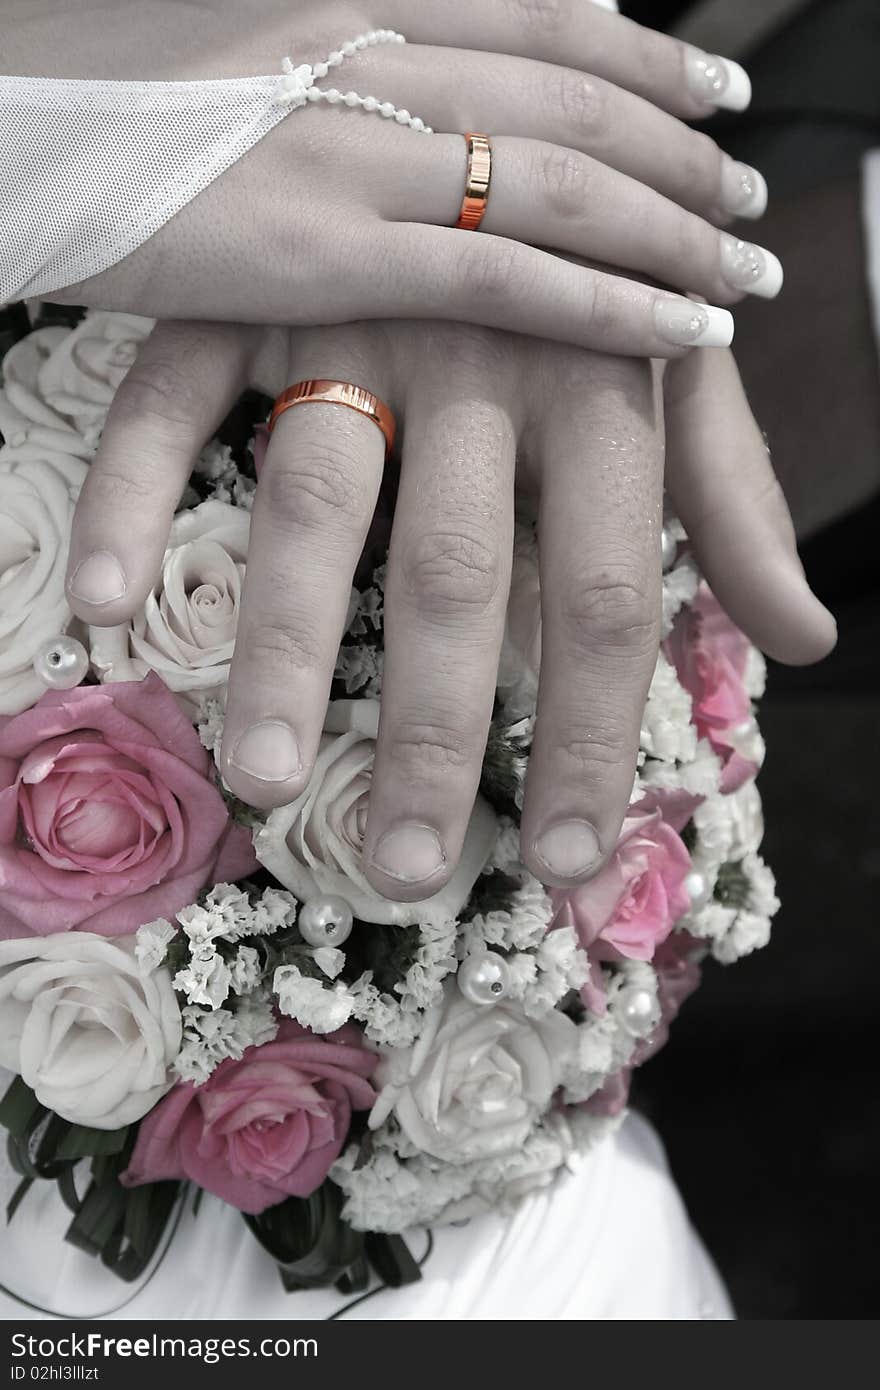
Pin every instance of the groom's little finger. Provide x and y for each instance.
(185, 379)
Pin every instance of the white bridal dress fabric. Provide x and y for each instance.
(610, 1241)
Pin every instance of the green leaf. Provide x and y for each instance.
(82, 1142)
(16, 1199)
(733, 888)
(19, 1109)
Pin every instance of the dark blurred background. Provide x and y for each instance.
(767, 1094)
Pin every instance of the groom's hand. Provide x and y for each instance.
(588, 432)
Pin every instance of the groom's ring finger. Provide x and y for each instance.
(550, 196)
(314, 502)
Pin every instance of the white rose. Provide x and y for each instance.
(314, 846)
(25, 417)
(64, 380)
(38, 490)
(520, 661)
(477, 1079)
(186, 629)
(92, 1036)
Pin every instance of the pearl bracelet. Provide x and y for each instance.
(297, 85)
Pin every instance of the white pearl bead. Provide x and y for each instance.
(668, 549)
(61, 663)
(386, 110)
(402, 117)
(325, 921)
(417, 123)
(398, 38)
(638, 1011)
(333, 95)
(361, 41)
(484, 978)
(371, 103)
(352, 99)
(335, 59)
(697, 888)
(320, 69)
(348, 50)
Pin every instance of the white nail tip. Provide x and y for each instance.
(771, 280)
(738, 92)
(757, 204)
(719, 328)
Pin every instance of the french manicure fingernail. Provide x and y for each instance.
(98, 579)
(750, 268)
(687, 324)
(268, 751)
(409, 853)
(743, 189)
(717, 81)
(569, 849)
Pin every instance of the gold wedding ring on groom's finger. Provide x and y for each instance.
(479, 178)
(345, 393)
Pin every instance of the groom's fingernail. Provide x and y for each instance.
(569, 849)
(410, 853)
(268, 751)
(98, 579)
(687, 324)
(715, 81)
(743, 189)
(751, 268)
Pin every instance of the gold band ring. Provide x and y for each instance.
(337, 393)
(479, 177)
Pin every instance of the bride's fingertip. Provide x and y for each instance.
(689, 324)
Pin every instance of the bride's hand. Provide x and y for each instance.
(588, 433)
(336, 215)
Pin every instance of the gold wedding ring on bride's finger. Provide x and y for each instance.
(477, 183)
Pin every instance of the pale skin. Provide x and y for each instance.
(587, 434)
(337, 215)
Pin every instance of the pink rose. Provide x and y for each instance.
(613, 1098)
(108, 817)
(710, 655)
(633, 903)
(263, 1128)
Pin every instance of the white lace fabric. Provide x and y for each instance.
(91, 169)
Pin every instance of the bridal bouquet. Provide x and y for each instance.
(196, 993)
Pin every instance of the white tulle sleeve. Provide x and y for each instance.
(90, 170)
